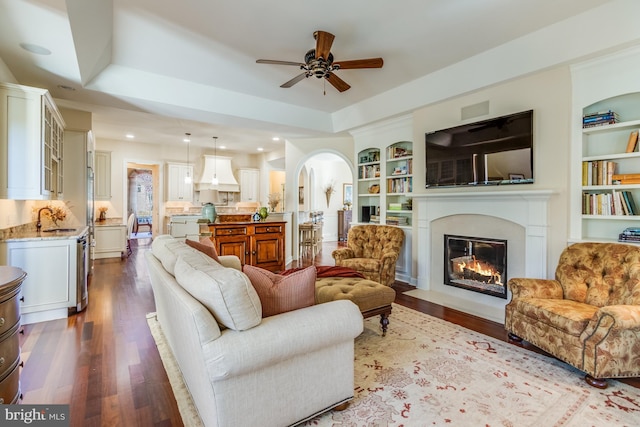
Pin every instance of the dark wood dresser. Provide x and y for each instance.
(11, 279)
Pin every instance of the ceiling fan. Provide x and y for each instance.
(319, 62)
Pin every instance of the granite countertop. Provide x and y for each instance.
(26, 234)
(109, 221)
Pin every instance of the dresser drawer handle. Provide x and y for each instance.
(1, 321)
(1, 361)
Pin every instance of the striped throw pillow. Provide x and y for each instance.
(279, 294)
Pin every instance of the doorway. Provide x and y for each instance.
(143, 198)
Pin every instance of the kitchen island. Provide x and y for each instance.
(111, 239)
(261, 244)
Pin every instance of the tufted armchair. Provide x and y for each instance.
(373, 251)
(589, 316)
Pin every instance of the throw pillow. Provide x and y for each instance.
(226, 292)
(279, 294)
(204, 247)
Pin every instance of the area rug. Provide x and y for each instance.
(428, 372)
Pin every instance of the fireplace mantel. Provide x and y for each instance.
(527, 209)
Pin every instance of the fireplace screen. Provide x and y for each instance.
(476, 264)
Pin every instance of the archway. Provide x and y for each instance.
(317, 171)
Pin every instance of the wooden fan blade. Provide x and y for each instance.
(324, 41)
(294, 80)
(360, 63)
(271, 61)
(338, 83)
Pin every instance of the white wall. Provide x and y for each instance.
(548, 93)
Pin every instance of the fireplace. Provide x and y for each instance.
(476, 264)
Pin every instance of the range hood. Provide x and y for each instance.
(221, 167)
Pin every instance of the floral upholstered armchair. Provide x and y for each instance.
(589, 316)
(373, 251)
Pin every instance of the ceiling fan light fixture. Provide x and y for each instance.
(319, 62)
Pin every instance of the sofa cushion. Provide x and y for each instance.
(227, 293)
(167, 250)
(206, 246)
(568, 316)
(279, 294)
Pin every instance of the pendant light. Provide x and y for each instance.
(187, 178)
(215, 181)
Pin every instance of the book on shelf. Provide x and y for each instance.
(613, 203)
(621, 176)
(600, 118)
(396, 152)
(633, 141)
(631, 205)
(395, 206)
(600, 113)
(598, 172)
(397, 220)
(631, 231)
(626, 238)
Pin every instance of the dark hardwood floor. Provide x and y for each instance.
(103, 362)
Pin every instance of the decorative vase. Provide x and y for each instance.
(264, 213)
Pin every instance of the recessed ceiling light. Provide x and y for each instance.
(223, 147)
(34, 48)
(260, 149)
(275, 138)
(130, 136)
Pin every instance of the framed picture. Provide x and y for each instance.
(301, 195)
(515, 176)
(347, 193)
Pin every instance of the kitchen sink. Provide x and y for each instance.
(61, 230)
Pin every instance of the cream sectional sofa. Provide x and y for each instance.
(276, 371)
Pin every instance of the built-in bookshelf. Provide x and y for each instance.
(369, 175)
(610, 186)
(399, 183)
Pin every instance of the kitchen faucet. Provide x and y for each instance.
(39, 224)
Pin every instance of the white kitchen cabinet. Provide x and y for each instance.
(31, 144)
(177, 189)
(102, 169)
(50, 286)
(249, 185)
(110, 241)
(78, 160)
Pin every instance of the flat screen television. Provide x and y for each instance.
(496, 151)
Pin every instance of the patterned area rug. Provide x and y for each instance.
(428, 372)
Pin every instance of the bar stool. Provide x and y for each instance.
(308, 239)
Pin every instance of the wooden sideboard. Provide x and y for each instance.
(260, 244)
(11, 279)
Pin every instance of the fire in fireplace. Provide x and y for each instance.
(476, 264)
